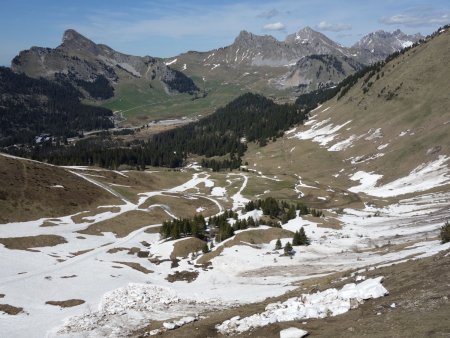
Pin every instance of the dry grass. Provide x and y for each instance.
(26, 243)
(183, 207)
(136, 266)
(65, 303)
(184, 247)
(10, 310)
(27, 193)
(127, 222)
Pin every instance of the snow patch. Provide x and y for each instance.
(343, 144)
(422, 178)
(322, 135)
(331, 302)
(168, 63)
(293, 332)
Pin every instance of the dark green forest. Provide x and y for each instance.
(31, 107)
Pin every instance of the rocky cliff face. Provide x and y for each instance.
(79, 58)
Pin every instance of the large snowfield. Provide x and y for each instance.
(118, 299)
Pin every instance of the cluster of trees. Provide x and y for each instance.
(299, 238)
(281, 209)
(179, 228)
(31, 107)
(99, 89)
(218, 165)
(181, 83)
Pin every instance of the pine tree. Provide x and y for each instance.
(288, 249)
(278, 244)
(304, 240)
(296, 239)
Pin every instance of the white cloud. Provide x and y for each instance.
(276, 26)
(416, 19)
(268, 14)
(334, 27)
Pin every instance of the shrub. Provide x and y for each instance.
(445, 233)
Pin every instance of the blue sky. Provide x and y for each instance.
(167, 28)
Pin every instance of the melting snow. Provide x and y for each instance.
(343, 144)
(322, 135)
(422, 178)
(331, 302)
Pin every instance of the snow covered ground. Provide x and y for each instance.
(118, 298)
(330, 302)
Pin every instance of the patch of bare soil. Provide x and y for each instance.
(186, 246)
(25, 243)
(136, 266)
(10, 310)
(418, 288)
(77, 253)
(183, 276)
(127, 222)
(257, 236)
(66, 303)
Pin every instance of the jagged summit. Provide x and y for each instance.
(247, 39)
(74, 41)
(387, 42)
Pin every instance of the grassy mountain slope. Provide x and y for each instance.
(391, 122)
(32, 190)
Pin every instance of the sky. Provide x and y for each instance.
(170, 27)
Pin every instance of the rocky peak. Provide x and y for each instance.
(248, 40)
(387, 42)
(74, 41)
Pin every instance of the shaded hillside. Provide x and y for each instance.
(31, 107)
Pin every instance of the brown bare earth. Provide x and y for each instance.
(25, 243)
(136, 266)
(257, 236)
(418, 288)
(186, 246)
(127, 222)
(10, 310)
(27, 191)
(66, 303)
(183, 276)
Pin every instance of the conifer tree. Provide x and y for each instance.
(278, 244)
(288, 249)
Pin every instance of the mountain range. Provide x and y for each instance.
(304, 61)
